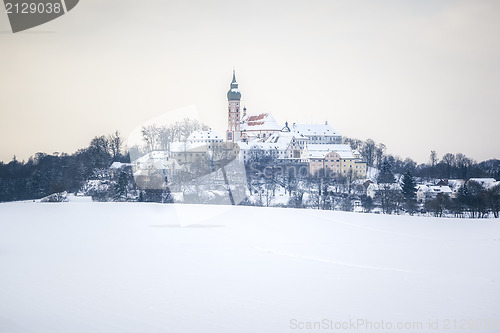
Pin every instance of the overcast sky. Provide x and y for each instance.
(417, 75)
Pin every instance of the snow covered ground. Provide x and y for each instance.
(131, 267)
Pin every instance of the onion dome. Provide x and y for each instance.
(234, 93)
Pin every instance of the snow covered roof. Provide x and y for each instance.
(391, 186)
(118, 165)
(485, 182)
(158, 159)
(329, 147)
(204, 136)
(153, 155)
(320, 151)
(434, 188)
(285, 137)
(313, 129)
(180, 147)
(455, 184)
(441, 189)
(259, 122)
(346, 154)
(263, 145)
(234, 94)
(317, 154)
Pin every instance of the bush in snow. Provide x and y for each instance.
(56, 197)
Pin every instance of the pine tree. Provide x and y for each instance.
(409, 190)
(120, 188)
(408, 185)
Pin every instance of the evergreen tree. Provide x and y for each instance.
(121, 185)
(409, 190)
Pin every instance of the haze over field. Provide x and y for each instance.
(122, 267)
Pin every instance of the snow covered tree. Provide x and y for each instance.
(121, 186)
(295, 200)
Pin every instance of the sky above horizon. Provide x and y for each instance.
(415, 75)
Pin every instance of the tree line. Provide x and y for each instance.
(449, 166)
(471, 200)
(88, 169)
(44, 174)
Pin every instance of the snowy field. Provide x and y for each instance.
(132, 267)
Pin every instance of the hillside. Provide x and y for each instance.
(132, 267)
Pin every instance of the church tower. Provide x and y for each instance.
(233, 117)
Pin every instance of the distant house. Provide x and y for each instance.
(254, 149)
(200, 147)
(294, 143)
(336, 158)
(153, 169)
(455, 185)
(366, 184)
(116, 167)
(188, 152)
(282, 145)
(427, 192)
(485, 182)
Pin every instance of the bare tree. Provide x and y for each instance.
(150, 135)
(115, 144)
(165, 137)
(463, 165)
(379, 153)
(433, 158)
(368, 152)
(448, 160)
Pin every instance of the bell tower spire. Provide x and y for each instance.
(233, 132)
